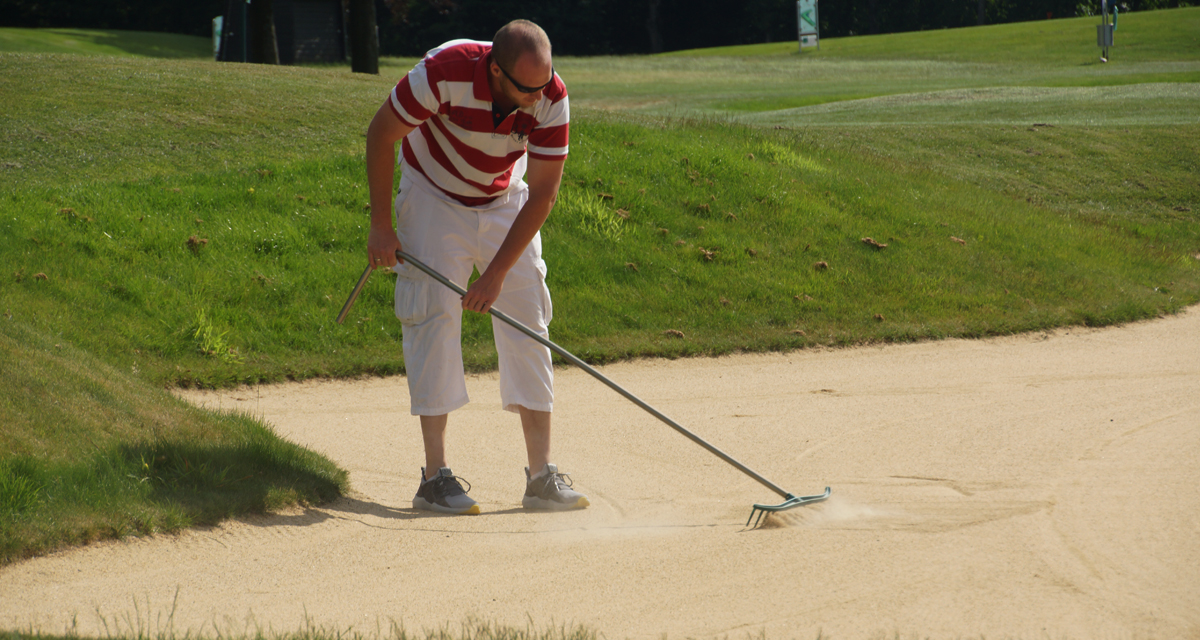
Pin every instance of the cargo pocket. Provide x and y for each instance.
(547, 304)
(414, 294)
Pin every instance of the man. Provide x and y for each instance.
(474, 117)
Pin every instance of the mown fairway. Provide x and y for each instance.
(185, 222)
(1154, 47)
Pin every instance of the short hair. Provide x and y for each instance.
(517, 38)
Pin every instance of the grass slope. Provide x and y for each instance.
(90, 452)
(771, 205)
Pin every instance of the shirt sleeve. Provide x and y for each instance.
(549, 139)
(416, 97)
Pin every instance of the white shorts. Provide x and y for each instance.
(453, 238)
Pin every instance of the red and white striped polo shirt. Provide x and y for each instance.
(446, 96)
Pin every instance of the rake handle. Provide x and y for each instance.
(582, 365)
(362, 281)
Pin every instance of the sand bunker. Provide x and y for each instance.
(1041, 486)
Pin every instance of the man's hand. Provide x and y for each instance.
(483, 293)
(382, 245)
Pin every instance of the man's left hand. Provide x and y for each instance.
(483, 293)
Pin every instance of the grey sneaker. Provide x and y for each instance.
(443, 493)
(552, 491)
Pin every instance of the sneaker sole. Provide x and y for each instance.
(425, 505)
(534, 502)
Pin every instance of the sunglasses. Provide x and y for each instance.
(524, 89)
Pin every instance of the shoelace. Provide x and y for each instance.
(561, 479)
(455, 488)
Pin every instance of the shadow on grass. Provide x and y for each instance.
(143, 43)
(164, 486)
(211, 481)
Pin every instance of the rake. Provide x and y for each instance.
(790, 500)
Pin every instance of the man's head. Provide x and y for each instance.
(521, 65)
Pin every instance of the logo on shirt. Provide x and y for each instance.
(521, 129)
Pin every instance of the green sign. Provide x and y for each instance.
(806, 14)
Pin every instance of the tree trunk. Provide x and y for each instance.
(656, 43)
(982, 12)
(263, 46)
(364, 40)
(873, 17)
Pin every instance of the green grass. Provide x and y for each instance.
(185, 222)
(104, 43)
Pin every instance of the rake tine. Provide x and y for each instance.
(791, 503)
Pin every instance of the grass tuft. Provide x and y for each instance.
(140, 627)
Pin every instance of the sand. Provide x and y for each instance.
(1039, 486)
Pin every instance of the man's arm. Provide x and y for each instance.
(382, 135)
(543, 178)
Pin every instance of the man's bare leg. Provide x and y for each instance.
(433, 432)
(549, 492)
(445, 495)
(536, 425)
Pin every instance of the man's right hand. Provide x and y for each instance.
(382, 245)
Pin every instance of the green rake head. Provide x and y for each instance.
(790, 503)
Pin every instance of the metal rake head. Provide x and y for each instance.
(791, 502)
